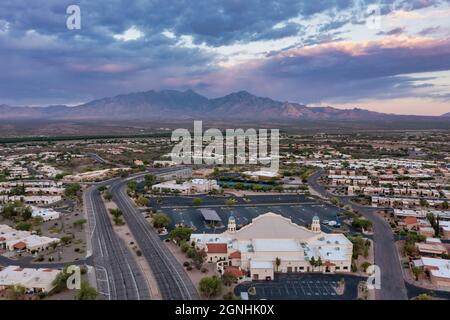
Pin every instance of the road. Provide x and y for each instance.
(386, 257)
(99, 159)
(28, 263)
(118, 275)
(172, 280)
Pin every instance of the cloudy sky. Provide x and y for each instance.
(318, 52)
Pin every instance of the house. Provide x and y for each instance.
(10, 236)
(445, 229)
(410, 223)
(272, 243)
(31, 244)
(45, 214)
(426, 231)
(431, 249)
(11, 239)
(439, 270)
(34, 280)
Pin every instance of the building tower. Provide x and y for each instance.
(231, 224)
(315, 225)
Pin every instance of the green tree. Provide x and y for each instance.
(365, 265)
(118, 220)
(142, 201)
(181, 233)
(9, 210)
(198, 258)
(24, 226)
(17, 190)
(79, 223)
(197, 201)
(17, 292)
(60, 282)
(417, 272)
(86, 292)
(361, 223)
(445, 205)
(25, 212)
(230, 202)
(150, 180)
(116, 212)
(228, 278)
(335, 201)
(210, 286)
(161, 220)
(132, 185)
(239, 186)
(424, 203)
(72, 190)
(184, 246)
(108, 196)
(66, 239)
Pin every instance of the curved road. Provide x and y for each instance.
(386, 257)
(173, 282)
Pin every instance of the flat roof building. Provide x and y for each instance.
(45, 213)
(34, 280)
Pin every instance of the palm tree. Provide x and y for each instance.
(277, 262)
(417, 272)
(17, 292)
(312, 262)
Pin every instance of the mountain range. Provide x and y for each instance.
(183, 105)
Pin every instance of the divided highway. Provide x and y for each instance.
(173, 282)
(118, 275)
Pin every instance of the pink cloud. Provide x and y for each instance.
(102, 68)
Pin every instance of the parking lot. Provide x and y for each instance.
(302, 287)
(300, 212)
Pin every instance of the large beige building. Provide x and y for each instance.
(188, 187)
(272, 243)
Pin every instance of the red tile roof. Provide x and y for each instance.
(20, 245)
(410, 220)
(235, 255)
(235, 271)
(217, 248)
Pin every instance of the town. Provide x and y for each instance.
(120, 208)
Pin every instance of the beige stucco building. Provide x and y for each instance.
(272, 243)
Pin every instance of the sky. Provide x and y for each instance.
(384, 55)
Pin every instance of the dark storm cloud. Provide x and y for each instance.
(40, 60)
(345, 71)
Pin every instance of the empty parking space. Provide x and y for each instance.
(302, 287)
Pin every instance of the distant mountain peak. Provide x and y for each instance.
(173, 104)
